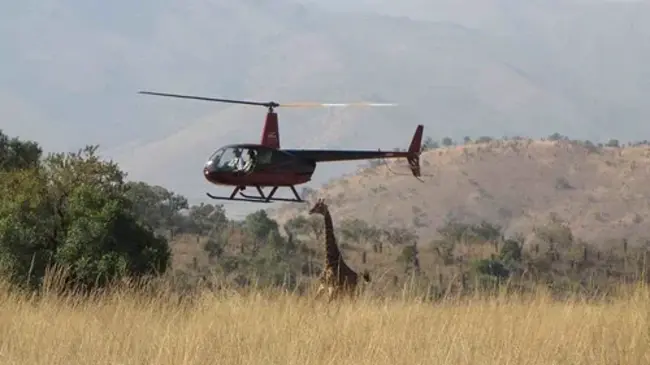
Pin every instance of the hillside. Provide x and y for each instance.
(601, 192)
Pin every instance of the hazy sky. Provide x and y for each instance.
(70, 69)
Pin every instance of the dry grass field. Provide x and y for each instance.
(264, 328)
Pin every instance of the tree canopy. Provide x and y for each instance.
(70, 210)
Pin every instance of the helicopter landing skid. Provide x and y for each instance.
(258, 199)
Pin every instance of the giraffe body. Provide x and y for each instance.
(337, 277)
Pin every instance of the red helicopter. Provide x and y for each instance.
(266, 165)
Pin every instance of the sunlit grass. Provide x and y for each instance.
(128, 327)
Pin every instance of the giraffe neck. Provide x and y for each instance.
(333, 254)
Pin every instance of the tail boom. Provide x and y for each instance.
(412, 155)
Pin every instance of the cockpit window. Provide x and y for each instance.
(215, 157)
(232, 159)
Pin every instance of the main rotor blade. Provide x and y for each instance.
(232, 101)
(315, 105)
(269, 104)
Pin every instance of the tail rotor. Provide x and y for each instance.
(412, 156)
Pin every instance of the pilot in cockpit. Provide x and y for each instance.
(250, 162)
(237, 162)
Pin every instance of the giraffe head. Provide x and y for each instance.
(319, 208)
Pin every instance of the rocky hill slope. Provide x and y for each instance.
(601, 192)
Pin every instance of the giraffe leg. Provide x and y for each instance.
(352, 292)
(333, 293)
(349, 286)
(320, 291)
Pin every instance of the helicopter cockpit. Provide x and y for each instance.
(237, 159)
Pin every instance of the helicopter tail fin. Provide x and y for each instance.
(414, 151)
(271, 132)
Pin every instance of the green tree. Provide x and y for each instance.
(486, 231)
(511, 254)
(157, 207)
(400, 236)
(72, 210)
(511, 251)
(16, 154)
(456, 231)
(409, 259)
(258, 225)
(354, 230)
(359, 231)
(298, 225)
(556, 232)
(316, 226)
(453, 230)
(216, 243)
(28, 234)
(489, 271)
(206, 219)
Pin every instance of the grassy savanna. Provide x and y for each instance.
(217, 298)
(128, 326)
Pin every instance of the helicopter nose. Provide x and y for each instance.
(209, 171)
(208, 167)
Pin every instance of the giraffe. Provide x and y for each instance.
(337, 277)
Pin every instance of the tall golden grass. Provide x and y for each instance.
(130, 326)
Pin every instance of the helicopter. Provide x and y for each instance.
(265, 165)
